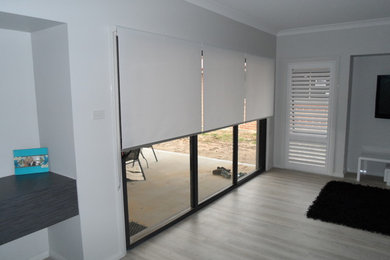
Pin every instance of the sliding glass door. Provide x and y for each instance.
(158, 186)
(169, 180)
(215, 162)
(247, 149)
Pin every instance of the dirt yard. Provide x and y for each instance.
(218, 144)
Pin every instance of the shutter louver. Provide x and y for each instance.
(307, 153)
(309, 115)
(309, 101)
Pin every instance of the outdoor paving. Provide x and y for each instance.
(166, 190)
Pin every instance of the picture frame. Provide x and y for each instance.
(29, 161)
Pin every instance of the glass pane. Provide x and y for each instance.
(247, 140)
(215, 166)
(162, 191)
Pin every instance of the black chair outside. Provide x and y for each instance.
(154, 153)
(132, 156)
(155, 156)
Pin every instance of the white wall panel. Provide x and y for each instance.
(32, 247)
(52, 87)
(224, 87)
(159, 87)
(260, 74)
(55, 120)
(18, 116)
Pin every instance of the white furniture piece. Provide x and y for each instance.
(374, 157)
(387, 174)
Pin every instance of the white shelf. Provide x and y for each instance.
(373, 157)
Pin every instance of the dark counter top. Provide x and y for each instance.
(32, 202)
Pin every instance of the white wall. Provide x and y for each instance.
(36, 102)
(65, 240)
(19, 125)
(54, 106)
(18, 111)
(367, 133)
(54, 103)
(92, 88)
(31, 247)
(333, 44)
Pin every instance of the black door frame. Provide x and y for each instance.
(195, 205)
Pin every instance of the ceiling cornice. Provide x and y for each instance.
(337, 26)
(253, 21)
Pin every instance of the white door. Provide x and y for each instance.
(309, 116)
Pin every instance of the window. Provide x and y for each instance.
(166, 176)
(247, 149)
(215, 162)
(309, 115)
(158, 184)
(167, 180)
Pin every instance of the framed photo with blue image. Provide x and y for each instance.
(28, 161)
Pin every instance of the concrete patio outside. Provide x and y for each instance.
(166, 190)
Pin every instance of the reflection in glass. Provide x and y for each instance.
(215, 152)
(158, 184)
(247, 140)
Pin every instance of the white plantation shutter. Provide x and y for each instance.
(309, 105)
(307, 153)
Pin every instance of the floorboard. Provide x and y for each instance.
(265, 219)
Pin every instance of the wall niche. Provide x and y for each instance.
(36, 111)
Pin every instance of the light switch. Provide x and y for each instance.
(98, 114)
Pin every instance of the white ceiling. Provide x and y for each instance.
(275, 16)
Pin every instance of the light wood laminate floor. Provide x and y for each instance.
(265, 219)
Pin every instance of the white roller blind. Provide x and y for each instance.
(223, 87)
(260, 74)
(160, 81)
